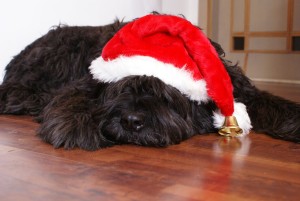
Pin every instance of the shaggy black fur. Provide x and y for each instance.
(50, 79)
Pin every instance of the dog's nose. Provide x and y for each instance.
(133, 121)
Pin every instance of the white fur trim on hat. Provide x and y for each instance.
(241, 114)
(180, 78)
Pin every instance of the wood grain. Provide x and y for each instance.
(207, 167)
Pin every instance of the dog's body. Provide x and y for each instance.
(50, 79)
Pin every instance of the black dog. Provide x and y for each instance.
(50, 80)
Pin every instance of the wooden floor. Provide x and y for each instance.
(204, 168)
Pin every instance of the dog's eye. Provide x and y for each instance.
(127, 90)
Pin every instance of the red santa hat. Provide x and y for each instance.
(178, 53)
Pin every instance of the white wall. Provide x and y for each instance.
(188, 8)
(22, 22)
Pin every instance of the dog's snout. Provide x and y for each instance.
(133, 121)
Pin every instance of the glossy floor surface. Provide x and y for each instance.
(207, 167)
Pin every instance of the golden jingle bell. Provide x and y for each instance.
(230, 127)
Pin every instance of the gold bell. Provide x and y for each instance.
(230, 127)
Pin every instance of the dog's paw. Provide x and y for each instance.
(291, 130)
(71, 131)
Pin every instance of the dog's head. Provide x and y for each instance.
(145, 111)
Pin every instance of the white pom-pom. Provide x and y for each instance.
(241, 114)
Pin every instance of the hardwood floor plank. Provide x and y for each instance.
(285, 90)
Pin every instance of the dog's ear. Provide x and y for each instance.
(68, 120)
(70, 129)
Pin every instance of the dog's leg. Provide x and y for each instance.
(275, 116)
(69, 120)
(269, 114)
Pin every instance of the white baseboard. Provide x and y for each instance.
(276, 81)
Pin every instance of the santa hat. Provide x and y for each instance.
(178, 53)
